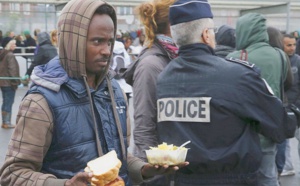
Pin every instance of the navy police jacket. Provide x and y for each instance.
(221, 106)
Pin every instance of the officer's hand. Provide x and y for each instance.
(80, 179)
(152, 170)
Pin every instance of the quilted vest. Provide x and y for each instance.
(74, 140)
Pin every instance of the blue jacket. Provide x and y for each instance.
(74, 140)
(220, 106)
(293, 94)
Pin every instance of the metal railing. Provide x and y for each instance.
(23, 49)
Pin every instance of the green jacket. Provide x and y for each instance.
(252, 36)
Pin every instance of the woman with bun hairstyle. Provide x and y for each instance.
(158, 51)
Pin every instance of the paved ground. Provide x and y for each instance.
(5, 136)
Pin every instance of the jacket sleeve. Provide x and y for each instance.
(264, 111)
(144, 91)
(29, 144)
(135, 166)
(13, 69)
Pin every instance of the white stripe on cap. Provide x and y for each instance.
(189, 3)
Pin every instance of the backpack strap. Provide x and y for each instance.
(244, 55)
(117, 119)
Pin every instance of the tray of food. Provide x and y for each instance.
(165, 154)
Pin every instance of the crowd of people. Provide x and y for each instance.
(234, 92)
(42, 46)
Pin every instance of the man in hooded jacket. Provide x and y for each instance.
(252, 44)
(45, 52)
(74, 112)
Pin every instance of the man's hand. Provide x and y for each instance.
(149, 170)
(80, 179)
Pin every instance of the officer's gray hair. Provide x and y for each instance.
(190, 32)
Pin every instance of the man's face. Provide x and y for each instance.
(99, 42)
(289, 45)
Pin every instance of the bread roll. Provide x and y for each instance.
(105, 170)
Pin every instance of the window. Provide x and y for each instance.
(124, 10)
(26, 9)
(14, 8)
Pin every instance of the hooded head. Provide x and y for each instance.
(73, 25)
(226, 36)
(250, 29)
(43, 38)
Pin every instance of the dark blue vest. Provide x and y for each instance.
(74, 140)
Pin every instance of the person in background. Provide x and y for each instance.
(119, 61)
(136, 49)
(293, 95)
(35, 33)
(54, 37)
(119, 36)
(225, 38)
(45, 53)
(252, 44)
(127, 44)
(9, 68)
(75, 112)
(276, 41)
(19, 43)
(10, 34)
(158, 52)
(220, 105)
(139, 40)
(29, 41)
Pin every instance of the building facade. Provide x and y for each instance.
(23, 15)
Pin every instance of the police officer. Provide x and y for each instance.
(220, 105)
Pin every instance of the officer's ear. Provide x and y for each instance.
(205, 36)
